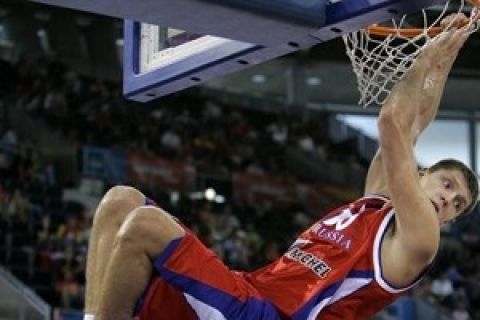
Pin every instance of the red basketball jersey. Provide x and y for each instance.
(333, 269)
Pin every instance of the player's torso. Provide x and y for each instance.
(329, 263)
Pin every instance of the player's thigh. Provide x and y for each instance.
(207, 285)
(110, 214)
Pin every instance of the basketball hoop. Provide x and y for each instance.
(382, 54)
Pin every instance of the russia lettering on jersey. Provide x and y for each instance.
(341, 221)
(333, 267)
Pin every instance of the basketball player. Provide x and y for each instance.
(349, 265)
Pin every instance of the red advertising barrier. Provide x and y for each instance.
(160, 173)
(258, 189)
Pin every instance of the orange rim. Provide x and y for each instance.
(377, 30)
(406, 33)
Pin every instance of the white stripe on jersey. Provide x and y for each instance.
(203, 310)
(377, 266)
(348, 286)
(299, 243)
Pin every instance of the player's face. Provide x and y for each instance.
(448, 191)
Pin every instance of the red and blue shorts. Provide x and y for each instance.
(191, 283)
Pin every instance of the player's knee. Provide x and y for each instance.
(116, 204)
(123, 193)
(149, 229)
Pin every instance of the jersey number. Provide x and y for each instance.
(343, 220)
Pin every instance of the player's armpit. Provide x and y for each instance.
(375, 182)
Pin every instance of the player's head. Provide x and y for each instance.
(452, 188)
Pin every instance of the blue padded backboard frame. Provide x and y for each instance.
(150, 85)
(266, 36)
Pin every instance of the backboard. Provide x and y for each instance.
(171, 45)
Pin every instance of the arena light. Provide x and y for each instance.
(210, 194)
(313, 81)
(259, 78)
(220, 199)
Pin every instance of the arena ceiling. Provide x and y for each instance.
(321, 75)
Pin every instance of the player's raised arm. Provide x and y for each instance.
(401, 119)
(429, 93)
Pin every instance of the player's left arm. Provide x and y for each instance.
(429, 94)
(417, 226)
(417, 113)
(437, 75)
(403, 104)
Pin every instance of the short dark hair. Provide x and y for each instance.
(470, 177)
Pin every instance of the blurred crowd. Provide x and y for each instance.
(46, 237)
(213, 137)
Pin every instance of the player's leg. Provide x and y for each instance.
(117, 203)
(141, 239)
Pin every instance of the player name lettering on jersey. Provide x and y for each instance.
(332, 236)
(317, 265)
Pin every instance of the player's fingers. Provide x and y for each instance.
(455, 20)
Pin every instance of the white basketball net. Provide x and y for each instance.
(380, 62)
